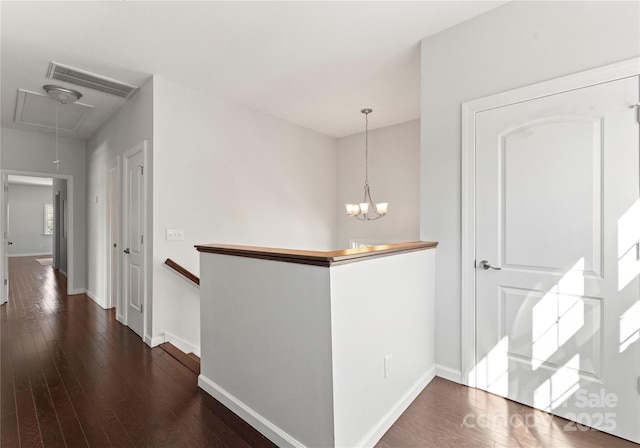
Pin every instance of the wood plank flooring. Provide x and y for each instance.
(72, 376)
(189, 360)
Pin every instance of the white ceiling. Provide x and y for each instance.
(315, 64)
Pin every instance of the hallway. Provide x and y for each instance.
(73, 376)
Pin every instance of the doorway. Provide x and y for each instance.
(66, 232)
(550, 258)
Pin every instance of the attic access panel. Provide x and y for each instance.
(37, 109)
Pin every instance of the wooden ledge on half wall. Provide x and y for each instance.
(316, 258)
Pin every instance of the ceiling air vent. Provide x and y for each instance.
(90, 81)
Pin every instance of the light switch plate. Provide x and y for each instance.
(175, 234)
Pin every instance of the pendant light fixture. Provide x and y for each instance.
(367, 210)
(63, 96)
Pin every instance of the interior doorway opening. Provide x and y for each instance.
(58, 208)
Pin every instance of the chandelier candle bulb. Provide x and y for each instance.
(361, 211)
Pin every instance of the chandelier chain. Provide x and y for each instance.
(57, 160)
(366, 149)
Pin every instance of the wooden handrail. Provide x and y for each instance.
(317, 258)
(181, 270)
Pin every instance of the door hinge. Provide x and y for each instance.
(141, 307)
(5, 282)
(141, 239)
(639, 384)
(141, 170)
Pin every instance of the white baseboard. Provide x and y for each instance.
(153, 341)
(183, 345)
(449, 374)
(376, 433)
(264, 426)
(120, 318)
(93, 297)
(76, 292)
(29, 255)
(283, 439)
(64, 274)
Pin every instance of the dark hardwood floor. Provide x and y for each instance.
(72, 376)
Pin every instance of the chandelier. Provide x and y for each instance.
(367, 210)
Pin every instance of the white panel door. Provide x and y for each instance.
(6, 242)
(557, 210)
(134, 209)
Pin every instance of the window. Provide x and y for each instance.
(48, 219)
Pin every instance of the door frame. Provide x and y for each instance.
(110, 187)
(70, 223)
(123, 308)
(607, 73)
(4, 259)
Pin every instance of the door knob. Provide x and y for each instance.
(484, 264)
(127, 251)
(9, 243)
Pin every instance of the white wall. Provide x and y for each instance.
(394, 177)
(266, 343)
(132, 124)
(26, 220)
(515, 45)
(33, 152)
(393, 315)
(227, 174)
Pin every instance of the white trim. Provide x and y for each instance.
(375, 434)
(183, 345)
(264, 426)
(607, 73)
(283, 439)
(599, 75)
(93, 297)
(4, 256)
(152, 341)
(114, 165)
(64, 274)
(449, 374)
(468, 249)
(120, 305)
(75, 292)
(29, 255)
